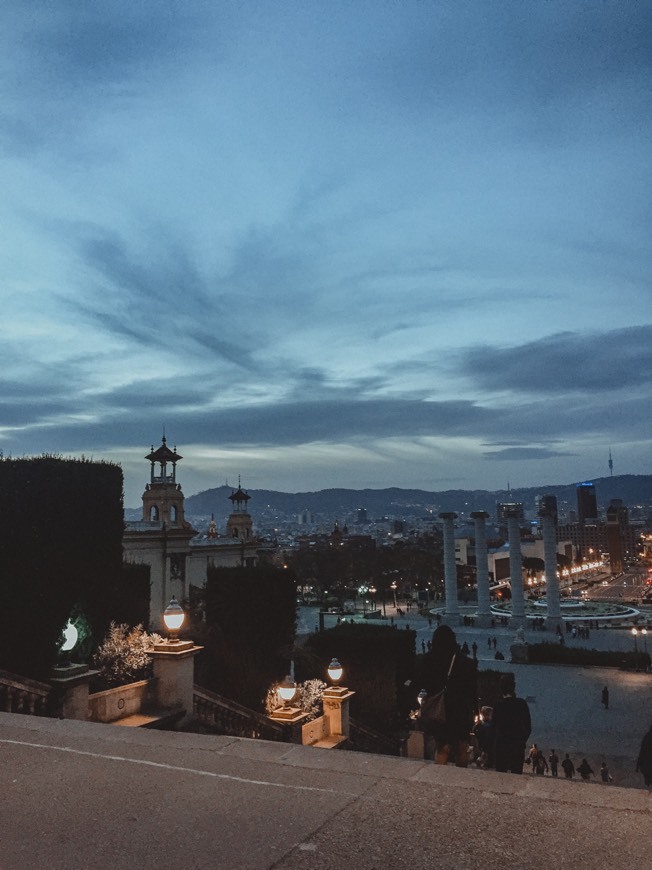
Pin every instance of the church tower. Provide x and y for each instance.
(239, 524)
(163, 498)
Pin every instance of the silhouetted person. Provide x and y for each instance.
(568, 766)
(512, 727)
(553, 758)
(605, 698)
(585, 770)
(444, 666)
(605, 776)
(644, 761)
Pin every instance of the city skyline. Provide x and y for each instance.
(357, 245)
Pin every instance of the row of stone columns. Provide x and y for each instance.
(483, 615)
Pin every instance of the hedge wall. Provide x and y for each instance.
(249, 631)
(61, 529)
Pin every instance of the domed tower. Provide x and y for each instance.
(239, 524)
(163, 499)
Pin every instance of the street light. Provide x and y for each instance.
(287, 691)
(335, 671)
(635, 634)
(173, 617)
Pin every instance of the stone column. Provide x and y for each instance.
(174, 671)
(483, 616)
(451, 605)
(553, 616)
(516, 570)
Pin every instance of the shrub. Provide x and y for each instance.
(308, 699)
(124, 656)
(554, 653)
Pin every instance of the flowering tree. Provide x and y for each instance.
(124, 656)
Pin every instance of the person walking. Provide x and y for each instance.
(446, 669)
(568, 767)
(585, 770)
(605, 698)
(540, 764)
(512, 726)
(485, 737)
(644, 761)
(553, 760)
(605, 776)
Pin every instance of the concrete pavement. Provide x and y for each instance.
(78, 795)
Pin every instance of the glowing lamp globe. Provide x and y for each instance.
(173, 617)
(335, 671)
(70, 637)
(287, 690)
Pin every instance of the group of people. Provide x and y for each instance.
(454, 729)
(503, 735)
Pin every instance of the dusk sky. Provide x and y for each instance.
(358, 244)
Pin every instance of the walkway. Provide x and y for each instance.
(77, 795)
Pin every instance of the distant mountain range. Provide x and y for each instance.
(394, 502)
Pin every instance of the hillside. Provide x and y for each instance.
(632, 489)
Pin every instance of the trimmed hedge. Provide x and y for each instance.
(378, 661)
(556, 654)
(61, 529)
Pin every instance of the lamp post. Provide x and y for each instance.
(635, 635)
(287, 691)
(335, 671)
(173, 618)
(173, 664)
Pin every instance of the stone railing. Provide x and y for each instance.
(22, 695)
(365, 739)
(227, 717)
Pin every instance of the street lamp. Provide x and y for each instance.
(173, 617)
(287, 691)
(635, 634)
(335, 671)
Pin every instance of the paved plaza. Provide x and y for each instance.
(565, 701)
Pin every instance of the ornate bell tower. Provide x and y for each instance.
(239, 524)
(163, 498)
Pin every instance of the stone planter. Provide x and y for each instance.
(121, 701)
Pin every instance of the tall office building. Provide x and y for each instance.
(587, 503)
(547, 504)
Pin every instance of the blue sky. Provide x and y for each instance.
(323, 244)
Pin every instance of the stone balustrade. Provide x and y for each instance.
(23, 695)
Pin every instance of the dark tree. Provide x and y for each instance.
(378, 661)
(250, 628)
(60, 549)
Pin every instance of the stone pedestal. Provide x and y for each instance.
(415, 746)
(70, 683)
(336, 709)
(174, 671)
(519, 649)
(294, 719)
